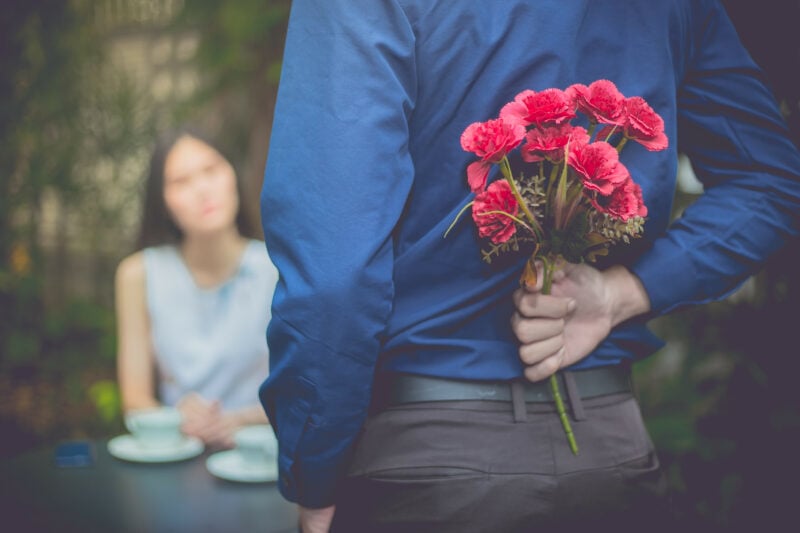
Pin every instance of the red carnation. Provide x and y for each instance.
(600, 101)
(491, 141)
(545, 107)
(496, 226)
(598, 165)
(549, 142)
(625, 201)
(644, 125)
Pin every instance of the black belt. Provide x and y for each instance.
(395, 389)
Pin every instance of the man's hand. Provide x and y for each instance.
(561, 328)
(316, 520)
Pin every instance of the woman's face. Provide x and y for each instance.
(199, 188)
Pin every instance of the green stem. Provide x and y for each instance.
(574, 199)
(621, 144)
(562, 414)
(453, 223)
(610, 133)
(592, 126)
(505, 167)
(547, 268)
(509, 215)
(547, 283)
(561, 193)
(548, 200)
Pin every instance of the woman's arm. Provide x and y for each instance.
(252, 414)
(134, 350)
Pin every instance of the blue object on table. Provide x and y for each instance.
(74, 454)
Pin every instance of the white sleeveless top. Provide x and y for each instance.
(210, 341)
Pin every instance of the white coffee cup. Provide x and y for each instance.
(256, 444)
(159, 427)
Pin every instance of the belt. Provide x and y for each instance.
(398, 389)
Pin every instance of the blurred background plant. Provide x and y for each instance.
(84, 87)
(721, 399)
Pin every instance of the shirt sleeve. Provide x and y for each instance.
(337, 178)
(730, 127)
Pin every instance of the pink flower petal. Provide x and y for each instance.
(656, 144)
(477, 173)
(514, 113)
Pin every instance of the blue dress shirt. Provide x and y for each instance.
(366, 172)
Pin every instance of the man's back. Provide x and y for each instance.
(366, 172)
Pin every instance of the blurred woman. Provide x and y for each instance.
(193, 303)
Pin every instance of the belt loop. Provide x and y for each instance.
(574, 396)
(518, 401)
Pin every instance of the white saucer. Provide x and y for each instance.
(126, 447)
(230, 466)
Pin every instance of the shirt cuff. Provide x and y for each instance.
(669, 283)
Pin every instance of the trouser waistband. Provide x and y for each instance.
(397, 389)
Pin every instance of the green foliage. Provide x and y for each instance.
(235, 26)
(106, 399)
(238, 39)
(65, 115)
(21, 308)
(62, 340)
(725, 416)
(39, 105)
(72, 126)
(20, 347)
(239, 58)
(571, 243)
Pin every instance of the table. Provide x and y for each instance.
(113, 495)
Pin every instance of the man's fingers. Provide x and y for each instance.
(545, 368)
(535, 353)
(537, 305)
(530, 330)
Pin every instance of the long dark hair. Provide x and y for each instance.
(157, 225)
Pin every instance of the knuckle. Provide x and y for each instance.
(553, 343)
(558, 359)
(549, 366)
(527, 355)
(529, 301)
(522, 334)
(517, 297)
(531, 374)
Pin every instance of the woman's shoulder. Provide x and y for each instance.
(131, 269)
(256, 250)
(256, 243)
(257, 257)
(130, 281)
(135, 266)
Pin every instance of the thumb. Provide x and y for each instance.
(563, 270)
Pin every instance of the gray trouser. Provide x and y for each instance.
(473, 466)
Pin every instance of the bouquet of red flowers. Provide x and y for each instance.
(578, 198)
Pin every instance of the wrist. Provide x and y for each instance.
(140, 403)
(247, 416)
(627, 295)
(237, 418)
